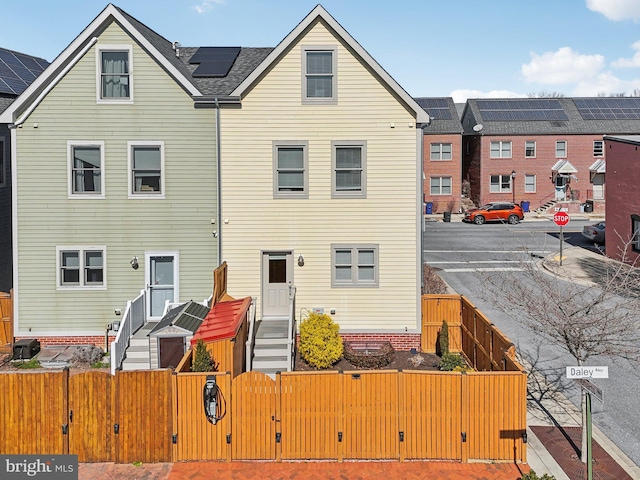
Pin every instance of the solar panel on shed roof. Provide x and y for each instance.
(521, 110)
(437, 108)
(605, 108)
(214, 61)
(18, 71)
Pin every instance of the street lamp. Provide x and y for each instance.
(513, 185)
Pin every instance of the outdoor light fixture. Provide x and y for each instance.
(301, 261)
(513, 185)
(134, 263)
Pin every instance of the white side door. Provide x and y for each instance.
(277, 280)
(161, 270)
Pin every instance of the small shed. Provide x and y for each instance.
(171, 337)
(224, 331)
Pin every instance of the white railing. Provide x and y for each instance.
(291, 330)
(250, 335)
(133, 318)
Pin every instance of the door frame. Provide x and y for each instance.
(147, 273)
(264, 273)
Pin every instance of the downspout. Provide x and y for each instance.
(218, 182)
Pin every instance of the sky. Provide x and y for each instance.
(432, 48)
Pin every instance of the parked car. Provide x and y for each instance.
(595, 233)
(495, 212)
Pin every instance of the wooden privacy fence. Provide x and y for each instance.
(6, 322)
(355, 415)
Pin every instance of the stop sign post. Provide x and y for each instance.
(561, 219)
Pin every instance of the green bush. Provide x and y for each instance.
(452, 362)
(443, 338)
(320, 342)
(202, 360)
(533, 476)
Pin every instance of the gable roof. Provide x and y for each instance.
(544, 116)
(443, 113)
(319, 14)
(156, 46)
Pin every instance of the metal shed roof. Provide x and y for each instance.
(222, 321)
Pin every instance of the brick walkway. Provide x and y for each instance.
(304, 470)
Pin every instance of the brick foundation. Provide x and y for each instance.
(97, 340)
(399, 341)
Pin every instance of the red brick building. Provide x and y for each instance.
(541, 151)
(442, 156)
(622, 235)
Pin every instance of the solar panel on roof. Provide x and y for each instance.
(521, 110)
(18, 71)
(437, 108)
(214, 61)
(609, 108)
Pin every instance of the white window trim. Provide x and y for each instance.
(500, 189)
(535, 149)
(305, 154)
(111, 48)
(81, 249)
(3, 163)
(176, 275)
(143, 143)
(334, 80)
(535, 183)
(501, 149)
(601, 154)
(440, 177)
(566, 148)
(440, 159)
(363, 166)
(354, 283)
(85, 143)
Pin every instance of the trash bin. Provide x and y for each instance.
(446, 217)
(525, 205)
(588, 207)
(429, 208)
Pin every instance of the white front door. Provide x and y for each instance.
(161, 270)
(561, 187)
(277, 281)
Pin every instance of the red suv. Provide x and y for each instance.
(496, 211)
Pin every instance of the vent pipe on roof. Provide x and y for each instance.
(176, 48)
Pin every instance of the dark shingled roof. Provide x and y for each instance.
(188, 317)
(5, 101)
(451, 125)
(574, 124)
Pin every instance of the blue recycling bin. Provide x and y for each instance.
(429, 208)
(525, 206)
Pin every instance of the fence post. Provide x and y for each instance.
(278, 418)
(228, 388)
(341, 423)
(402, 427)
(464, 415)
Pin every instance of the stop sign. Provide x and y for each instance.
(561, 218)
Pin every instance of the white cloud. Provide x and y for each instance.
(616, 9)
(606, 83)
(206, 6)
(461, 96)
(561, 67)
(629, 62)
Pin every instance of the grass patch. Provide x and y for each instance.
(33, 363)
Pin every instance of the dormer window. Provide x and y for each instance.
(319, 75)
(114, 74)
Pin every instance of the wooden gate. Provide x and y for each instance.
(371, 427)
(6, 321)
(33, 413)
(91, 396)
(253, 399)
(144, 416)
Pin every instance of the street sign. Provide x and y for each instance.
(591, 388)
(587, 372)
(561, 218)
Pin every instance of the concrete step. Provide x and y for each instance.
(270, 349)
(139, 342)
(136, 364)
(262, 363)
(138, 351)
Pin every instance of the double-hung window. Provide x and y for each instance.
(500, 149)
(440, 186)
(319, 75)
(349, 169)
(114, 74)
(146, 169)
(500, 183)
(598, 148)
(290, 169)
(529, 183)
(81, 267)
(561, 149)
(530, 149)
(86, 169)
(441, 151)
(354, 265)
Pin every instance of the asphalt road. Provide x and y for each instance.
(466, 254)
